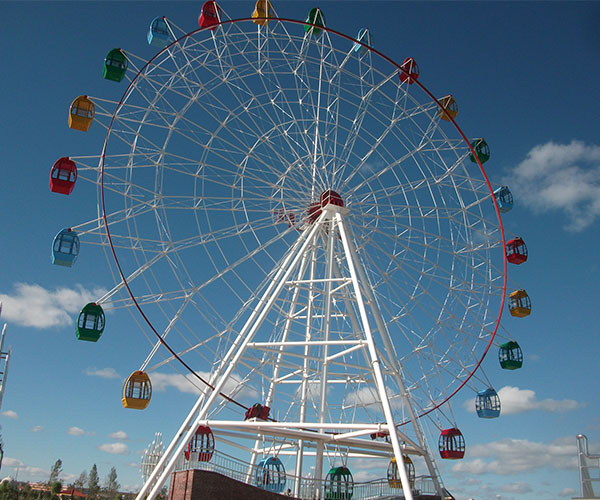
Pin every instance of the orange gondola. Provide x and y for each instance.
(449, 108)
(81, 113)
(263, 12)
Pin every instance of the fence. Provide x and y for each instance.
(308, 488)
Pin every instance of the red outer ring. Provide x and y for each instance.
(384, 57)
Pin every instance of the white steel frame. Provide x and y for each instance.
(273, 118)
(331, 225)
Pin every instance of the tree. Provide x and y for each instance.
(81, 481)
(112, 486)
(8, 490)
(93, 483)
(55, 472)
(55, 488)
(162, 494)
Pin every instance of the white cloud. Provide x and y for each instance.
(364, 396)
(10, 414)
(514, 400)
(511, 456)
(183, 383)
(114, 448)
(190, 384)
(368, 396)
(77, 431)
(119, 436)
(560, 177)
(26, 472)
(12, 462)
(37, 428)
(365, 469)
(131, 488)
(519, 487)
(68, 478)
(34, 306)
(567, 492)
(102, 372)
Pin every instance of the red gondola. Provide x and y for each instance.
(63, 176)
(516, 251)
(385, 435)
(411, 71)
(451, 444)
(327, 197)
(257, 411)
(210, 15)
(202, 446)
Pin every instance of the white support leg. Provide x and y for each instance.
(380, 384)
(228, 364)
(391, 357)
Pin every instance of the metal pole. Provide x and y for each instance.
(379, 382)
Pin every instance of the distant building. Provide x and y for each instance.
(65, 493)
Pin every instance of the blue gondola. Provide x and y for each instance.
(487, 404)
(65, 248)
(158, 34)
(504, 198)
(270, 475)
(364, 36)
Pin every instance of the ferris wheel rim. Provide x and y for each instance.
(418, 83)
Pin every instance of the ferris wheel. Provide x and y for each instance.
(298, 223)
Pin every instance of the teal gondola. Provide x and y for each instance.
(270, 475)
(115, 65)
(510, 356)
(482, 150)
(90, 323)
(339, 484)
(315, 17)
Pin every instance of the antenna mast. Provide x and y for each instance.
(4, 360)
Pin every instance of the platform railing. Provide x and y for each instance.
(309, 488)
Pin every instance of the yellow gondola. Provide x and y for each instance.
(519, 304)
(393, 474)
(449, 108)
(81, 113)
(263, 8)
(137, 391)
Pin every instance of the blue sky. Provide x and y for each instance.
(525, 77)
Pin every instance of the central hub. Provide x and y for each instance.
(328, 197)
